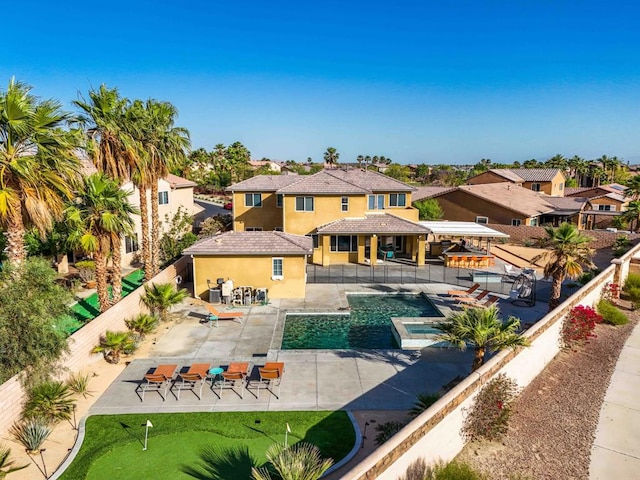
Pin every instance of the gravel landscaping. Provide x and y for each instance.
(553, 427)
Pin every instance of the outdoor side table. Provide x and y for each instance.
(213, 374)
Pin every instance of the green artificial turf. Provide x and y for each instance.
(221, 445)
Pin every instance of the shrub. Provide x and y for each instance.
(142, 324)
(50, 401)
(610, 313)
(620, 246)
(632, 289)
(79, 384)
(633, 281)
(423, 401)
(6, 465)
(114, 344)
(489, 416)
(31, 433)
(86, 270)
(454, 470)
(387, 430)
(578, 327)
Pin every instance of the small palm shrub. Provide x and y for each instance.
(620, 246)
(387, 430)
(115, 344)
(6, 465)
(50, 401)
(488, 418)
(142, 324)
(423, 401)
(31, 433)
(79, 384)
(160, 297)
(610, 313)
(299, 461)
(455, 470)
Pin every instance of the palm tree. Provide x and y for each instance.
(633, 188)
(301, 461)
(482, 329)
(632, 214)
(50, 400)
(331, 156)
(113, 344)
(101, 213)
(568, 251)
(160, 297)
(557, 161)
(38, 165)
(6, 465)
(360, 159)
(142, 324)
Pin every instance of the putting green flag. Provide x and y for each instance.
(288, 428)
(149, 424)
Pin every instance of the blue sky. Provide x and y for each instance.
(421, 81)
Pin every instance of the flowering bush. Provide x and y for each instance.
(489, 416)
(578, 327)
(611, 291)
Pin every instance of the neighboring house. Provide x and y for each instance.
(272, 165)
(368, 205)
(273, 260)
(507, 204)
(546, 180)
(605, 203)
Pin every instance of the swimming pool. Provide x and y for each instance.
(421, 329)
(368, 325)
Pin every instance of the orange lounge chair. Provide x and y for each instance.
(471, 299)
(270, 376)
(235, 376)
(486, 304)
(197, 374)
(215, 314)
(464, 293)
(159, 380)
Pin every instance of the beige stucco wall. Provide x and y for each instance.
(462, 207)
(268, 216)
(254, 271)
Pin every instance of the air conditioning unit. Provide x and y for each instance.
(261, 295)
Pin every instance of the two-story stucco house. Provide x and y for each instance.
(546, 180)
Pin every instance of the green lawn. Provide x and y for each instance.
(220, 445)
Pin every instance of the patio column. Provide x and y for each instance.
(373, 250)
(361, 248)
(421, 250)
(326, 250)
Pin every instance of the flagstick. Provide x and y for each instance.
(146, 435)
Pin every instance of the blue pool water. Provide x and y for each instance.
(368, 326)
(421, 329)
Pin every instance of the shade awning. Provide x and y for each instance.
(462, 229)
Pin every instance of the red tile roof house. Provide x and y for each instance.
(546, 180)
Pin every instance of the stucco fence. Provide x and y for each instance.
(436, 433)
(81, 342)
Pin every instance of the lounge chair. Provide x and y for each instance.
(486, 304)
(472, 299)
(196, 375)
(215, 314)
(159, 380)
(270, 376)
(235, 376)
(464, 293)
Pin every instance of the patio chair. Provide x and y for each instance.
(196, 375)
(215, 314)
(270, 376)
(471, 299)
(159, 380)
(464, 293)
(486, 304)
(235, 376)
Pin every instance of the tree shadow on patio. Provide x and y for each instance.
(222, 464)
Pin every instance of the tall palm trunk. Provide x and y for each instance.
(15, 238)
(556, 289)
(144, 223)
(116, 258)
(155, 227)
(478, 358)
(100, 259)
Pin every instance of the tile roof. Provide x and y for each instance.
(576, 191)
(327, 181)
(507, 174)
(373, 223)
(263, 183)
(252, 243)
(179, 182)
(566, 205)
(428, 191)
(535, 174)
(613, 196)
(513, 197)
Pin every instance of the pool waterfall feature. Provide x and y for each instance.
(373, 321)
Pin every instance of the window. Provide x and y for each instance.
(304, 204)
(376, 202)
(277, 272)
(131, 244)
(398, 200)
(535, 187)
(561, 186)
(315, 240)
(344, 202)
(533, 222)
(482, 220)
(344, 243)
(253, 229)
(253, 200)
(278, 200)
(607, 208)
(163, 198)
(516, 222)
(278, 229)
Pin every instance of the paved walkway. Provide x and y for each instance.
(616, 450)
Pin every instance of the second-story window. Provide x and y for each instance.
(304, 204)
(398, 200)
(376, 202)
(163, 198)
(252, 199)
(344, 202)
(279, 200)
